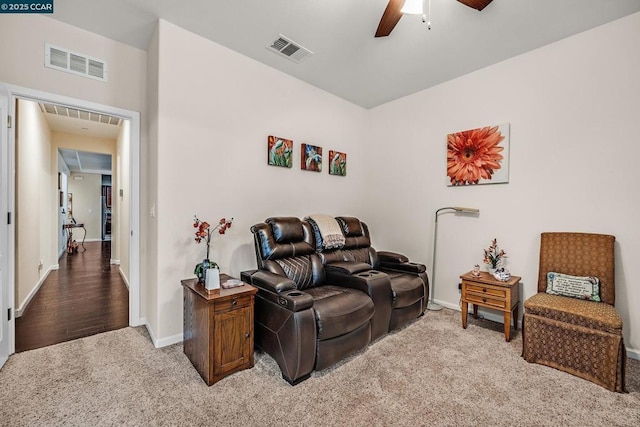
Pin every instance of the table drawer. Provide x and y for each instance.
(486, 300)
(232, 304)
(486, 290)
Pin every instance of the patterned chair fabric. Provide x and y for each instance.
(580, 337)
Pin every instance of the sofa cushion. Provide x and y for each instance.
(583, 287)
(350, 226)
(589, 314)
(286, 229)
(298, 269)
(339, 310)
(269, 248)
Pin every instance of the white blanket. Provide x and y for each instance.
(330, 231)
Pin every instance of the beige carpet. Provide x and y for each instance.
(430, 373)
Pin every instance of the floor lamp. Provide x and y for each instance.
(432, 305)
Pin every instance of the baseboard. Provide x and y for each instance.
(124, 278)
(631, 353)
(55, 267)
(494, 317)
(114, 261)
(92, 240)
(163, 342)
(34, 291)
(140, 322)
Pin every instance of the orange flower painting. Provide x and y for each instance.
(478, 156)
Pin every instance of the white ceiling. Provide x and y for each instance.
(348, 61)
(86, 162)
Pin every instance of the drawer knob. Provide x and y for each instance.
(484, 289)
(234, 302)
(247, 335)
(484, 300)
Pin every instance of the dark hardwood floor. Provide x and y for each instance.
(86, 296)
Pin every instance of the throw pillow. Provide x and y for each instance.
(587, 287)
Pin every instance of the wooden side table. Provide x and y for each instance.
(486, 291)
(218, 328)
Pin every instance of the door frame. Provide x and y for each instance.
(17, 92)
(6, 302)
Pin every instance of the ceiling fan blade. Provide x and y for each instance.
(476, 4)
(390, 18)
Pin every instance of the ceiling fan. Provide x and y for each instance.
(392, 14)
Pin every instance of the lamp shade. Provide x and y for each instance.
(465, 210)
(413, 7)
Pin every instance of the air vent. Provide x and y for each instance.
(74, 113)
(75, 63)
(289, 49)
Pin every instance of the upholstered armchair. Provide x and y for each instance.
(408, 281)
(303, 322)
(576, 335)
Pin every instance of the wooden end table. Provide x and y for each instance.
(218, 328)
(486, 291)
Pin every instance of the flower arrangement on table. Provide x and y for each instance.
(203, 234)
(493, 256)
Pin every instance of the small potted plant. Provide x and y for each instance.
(206, 267)
(494, 257)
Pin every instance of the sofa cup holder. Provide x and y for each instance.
(294, 294)
(368, 273)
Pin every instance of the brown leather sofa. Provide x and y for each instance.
(308, 316)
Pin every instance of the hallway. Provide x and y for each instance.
(86, 296)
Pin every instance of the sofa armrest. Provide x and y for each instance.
(374, 283)
(272, 282)
(348, 267)
(392, 257)
(279, 290)
(404, 267)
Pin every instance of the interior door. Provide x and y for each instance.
(4, 228)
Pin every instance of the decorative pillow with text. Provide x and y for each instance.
(587, 287)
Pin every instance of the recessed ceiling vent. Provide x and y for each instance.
(289, 49)
(75, 63)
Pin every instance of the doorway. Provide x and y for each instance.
(71, 289)
(130, 250)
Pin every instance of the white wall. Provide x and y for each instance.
(36, 203)
(573, 108)
(87, 204)
(215, 111)
(22, 52)
(149, 294)
(121, 204)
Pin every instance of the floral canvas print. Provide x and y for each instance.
(337, 163)
(279, 151)
(478, 156)
(311, 158)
